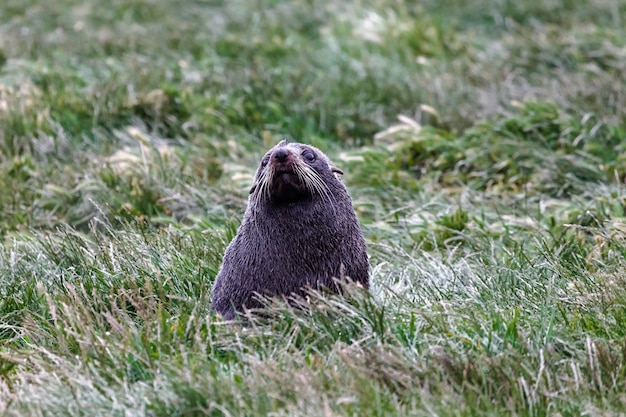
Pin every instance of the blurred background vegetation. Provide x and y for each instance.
(483, 145)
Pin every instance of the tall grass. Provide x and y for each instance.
(483, 148)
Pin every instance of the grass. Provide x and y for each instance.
(483, 147)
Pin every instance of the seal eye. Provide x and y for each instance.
(310, 156)
(265, 161)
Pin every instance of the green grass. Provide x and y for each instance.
(483, 146)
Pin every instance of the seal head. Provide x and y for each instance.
(292, 172)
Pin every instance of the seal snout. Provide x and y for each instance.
(282, 162)
(286, 185)
(280, 154)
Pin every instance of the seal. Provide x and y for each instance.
(299, 232)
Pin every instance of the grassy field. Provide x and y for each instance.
(483, 145)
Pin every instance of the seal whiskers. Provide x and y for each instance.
(315, 184)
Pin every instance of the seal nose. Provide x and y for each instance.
(281, 155)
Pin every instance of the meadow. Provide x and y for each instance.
(483, 144)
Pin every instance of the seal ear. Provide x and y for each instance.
(282, 142)
(336, 170)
